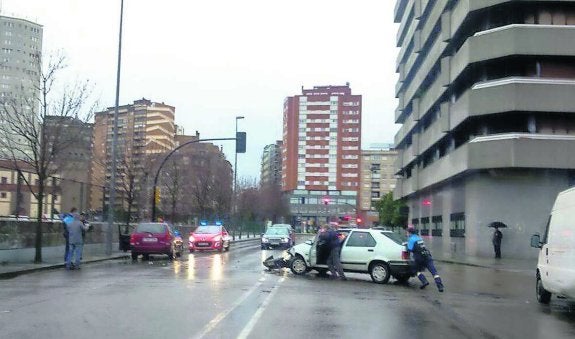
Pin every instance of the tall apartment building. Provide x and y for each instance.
(377, 179)
(321, 152)
(20, 50)
(271, 169)
(488, 118)
(145, 129)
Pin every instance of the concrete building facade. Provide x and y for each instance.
(487, 110)
(376, 180)
(271, 169)
(321, 152)
(74, 162)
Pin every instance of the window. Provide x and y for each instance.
(360, 239)
(4, 180)
(457, 225)
(437, 223)
(424, 226)
(3, 195)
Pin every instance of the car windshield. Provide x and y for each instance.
(151, 228)
(207, 229)
(395, 237)
(277, 231)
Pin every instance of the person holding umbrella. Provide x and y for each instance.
(497, 236)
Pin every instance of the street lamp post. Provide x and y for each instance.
(234, 210)
(236, 157)
(112, 201)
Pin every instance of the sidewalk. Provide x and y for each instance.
(507, 264)
(13, 269)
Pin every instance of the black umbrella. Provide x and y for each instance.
(497, 224)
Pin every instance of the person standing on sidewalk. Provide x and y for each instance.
(422, 259)
(76, 242)
(66, 219)
(497, 236)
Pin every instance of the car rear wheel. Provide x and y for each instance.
(134, 256)
(543, 296)
(379, 272)
(227, 248)
(298, 265)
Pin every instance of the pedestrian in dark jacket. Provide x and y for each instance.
(422, 259)
(497, 236)
(330, 236)
(75, 229)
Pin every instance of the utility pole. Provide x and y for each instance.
(112, 200)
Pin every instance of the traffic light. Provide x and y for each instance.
(358, 220)
(240, 142)
(157, 196)
(326, 201)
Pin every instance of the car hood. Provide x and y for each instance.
(302, 249)
(204, 236)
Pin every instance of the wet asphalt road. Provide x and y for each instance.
(231, 295)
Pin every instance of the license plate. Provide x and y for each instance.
(150, 239)
(275, 242)
(203, 244)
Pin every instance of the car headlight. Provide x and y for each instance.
(265, 239)
(191, 239)
(217, 238)
(285, 239)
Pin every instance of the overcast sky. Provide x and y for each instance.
(217, 59)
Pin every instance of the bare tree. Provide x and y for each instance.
(24, 138)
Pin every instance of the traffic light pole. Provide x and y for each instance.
(166, 159)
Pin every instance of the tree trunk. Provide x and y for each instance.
(38, 243)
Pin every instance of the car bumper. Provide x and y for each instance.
(400, 268)
(161, 249)
(207, 245)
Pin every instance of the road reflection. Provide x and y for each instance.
(217, 267)
(191, 267)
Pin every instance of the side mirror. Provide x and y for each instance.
(536, 241)
(309, 242)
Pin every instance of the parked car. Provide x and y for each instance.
(209, 237)
(555, 273)
(153, 238)
(278, 236)
(382, 254)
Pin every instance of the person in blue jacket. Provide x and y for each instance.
(422, 259)
(66, 219)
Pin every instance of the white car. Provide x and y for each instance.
(380, 253)
(556, 264)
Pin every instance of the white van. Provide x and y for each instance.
(556, 264)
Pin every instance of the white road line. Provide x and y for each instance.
(252, 323)
(214, 322)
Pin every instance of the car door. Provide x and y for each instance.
(313, 252)
(357, 250)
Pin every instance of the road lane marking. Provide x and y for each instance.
(216, 320)
(252, 323)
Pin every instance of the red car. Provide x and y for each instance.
(209, 237)
(154, 238)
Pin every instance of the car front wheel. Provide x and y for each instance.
(543, 296)
(298, 265)
(379, 272)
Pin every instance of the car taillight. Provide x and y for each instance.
(404, 255)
